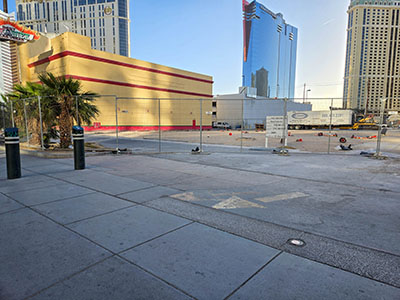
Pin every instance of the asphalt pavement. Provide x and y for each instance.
(140, 145)
(206, 226)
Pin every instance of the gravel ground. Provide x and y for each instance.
(311, 142)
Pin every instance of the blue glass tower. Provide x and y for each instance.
(270, 47)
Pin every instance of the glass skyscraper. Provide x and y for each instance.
(106, 22)
(270, 47)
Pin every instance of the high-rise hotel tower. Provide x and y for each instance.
(270, 47)
(372, 70)
(106, 22)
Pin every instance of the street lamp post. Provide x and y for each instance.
(307, 94)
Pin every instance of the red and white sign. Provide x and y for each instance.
(12, 31)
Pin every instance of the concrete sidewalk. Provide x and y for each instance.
(201, 227)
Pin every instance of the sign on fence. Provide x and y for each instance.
(274, 127)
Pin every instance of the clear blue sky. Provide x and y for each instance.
(205, 36)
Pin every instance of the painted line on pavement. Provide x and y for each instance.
(282, 197)
(236, 202)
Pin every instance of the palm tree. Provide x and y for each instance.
(59, 99)
(5, 113)
(68, 92)
(25, 98)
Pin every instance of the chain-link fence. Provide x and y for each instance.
(221, 124)
(307, 125)
(35, 118)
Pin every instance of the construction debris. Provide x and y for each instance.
(366, 154)
(196, 150)
(322, 134)
(283, 152)
(363, 138)
(344, 148)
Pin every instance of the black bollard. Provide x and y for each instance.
(11, 140)
(79, 147)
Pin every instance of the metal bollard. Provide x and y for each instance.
(11, 140)
(79, 147)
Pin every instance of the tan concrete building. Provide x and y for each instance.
(137, 84)
(373, 55)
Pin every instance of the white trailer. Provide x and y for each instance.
(320, 119)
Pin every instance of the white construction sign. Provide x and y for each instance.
(275, 128)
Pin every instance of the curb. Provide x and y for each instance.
(52, 155)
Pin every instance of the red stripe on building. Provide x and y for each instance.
(136, 86)
(113, 62)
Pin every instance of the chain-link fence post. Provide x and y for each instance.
(382, 112)
(201, 125)
(159, 125)
(116, 123)
(77, 111)
(242, 127)
(4, 116)
(26, 122)
(41, 123)
(12, 113)
(330, 127)
(285, 126)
